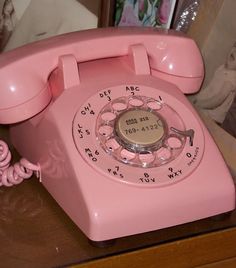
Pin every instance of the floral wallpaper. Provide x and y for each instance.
(155, 13)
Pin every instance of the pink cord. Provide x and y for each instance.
(14, 174)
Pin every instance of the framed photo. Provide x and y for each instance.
(154, 13)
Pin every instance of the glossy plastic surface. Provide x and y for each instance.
(24, 72)
(78, 84)
(104, 197)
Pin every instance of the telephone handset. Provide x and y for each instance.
(26, 92)
(107, 125)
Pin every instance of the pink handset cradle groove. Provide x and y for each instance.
(119, 146)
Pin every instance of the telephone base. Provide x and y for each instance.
(120, 147)
(112, 242)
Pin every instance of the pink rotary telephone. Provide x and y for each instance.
(103, 117)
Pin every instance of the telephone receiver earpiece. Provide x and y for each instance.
(24, 71)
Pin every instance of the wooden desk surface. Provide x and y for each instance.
(35, 232)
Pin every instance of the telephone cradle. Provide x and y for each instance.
(102, 115)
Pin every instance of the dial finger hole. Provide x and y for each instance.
(108, 116)
(146, 158)
(163, 154)
(136, 102)
(154, 105)
(112, 145)
(174, 142)
(105, 130)
(119, 106)
(127, 155)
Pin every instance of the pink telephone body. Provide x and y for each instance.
(103, 114)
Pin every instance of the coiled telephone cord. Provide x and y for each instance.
(14, 174)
